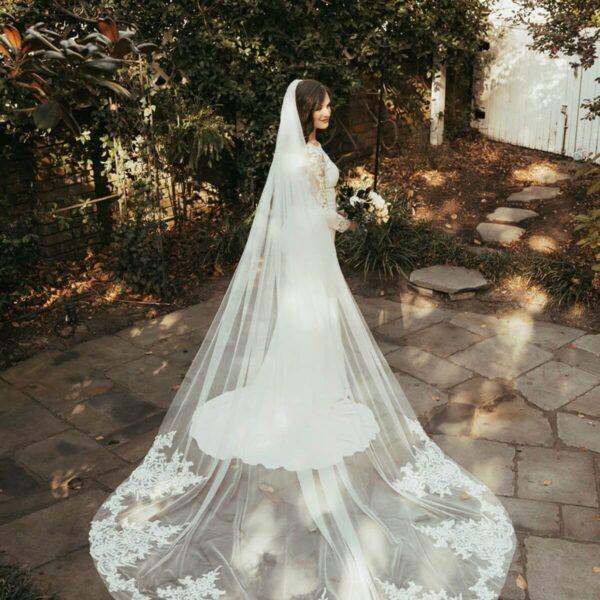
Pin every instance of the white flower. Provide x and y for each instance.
(377, 201)
(355, 199)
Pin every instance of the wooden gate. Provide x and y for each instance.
(528, 99)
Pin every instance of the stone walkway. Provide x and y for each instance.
(515, 401)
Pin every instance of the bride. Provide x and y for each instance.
(290, 465)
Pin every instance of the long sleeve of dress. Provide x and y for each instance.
(335, 220)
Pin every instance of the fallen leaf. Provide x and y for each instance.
(521, 582)
(596, 569)
(547, 481)
(175, 387)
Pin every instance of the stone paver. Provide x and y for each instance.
(507, 214)
(449, 279)
(483, 325)
(582, 359)
(92, 412)
(496, 233)
(553, 384)
(581, 523)
(453, 419)
(180, 322)
(513, 421)
(495, 357)
(150, 378)
(113, 410)
(423, 398)
(66, 455)
(534, 193)
(26, 424)
(579, 432)
(414, 320)
(588, 403)
(533, 516)
(520, 327)
(15, 482)
(442, 339)
(73, 575)
(561, 570)
(479, 391)
(557, 476)
(427, 367)
(63, 527)
(378, 311)
(492, 462)
(591, 343)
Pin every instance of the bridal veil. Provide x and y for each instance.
(290, 465)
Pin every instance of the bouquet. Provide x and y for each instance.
(363, 205)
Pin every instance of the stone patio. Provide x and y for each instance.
(514, 400)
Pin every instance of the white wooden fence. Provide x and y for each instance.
(532, 100)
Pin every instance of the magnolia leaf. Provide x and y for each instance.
(147, 47)
(122, 48)
(109, 28)
(32, 35)
(12, 36)
(106, 65)
(4, 51)
(47, 115)
(111, 85)
(53, 54)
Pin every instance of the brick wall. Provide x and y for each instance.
(55, 177)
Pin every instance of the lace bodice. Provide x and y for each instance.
(325, 177)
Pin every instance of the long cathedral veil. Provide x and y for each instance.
(290, 465)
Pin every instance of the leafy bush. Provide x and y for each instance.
(19, 252)
(16, 584)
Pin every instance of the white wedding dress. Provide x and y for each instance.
(290, 465)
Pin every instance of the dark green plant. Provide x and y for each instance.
(62, 73)
(16, 584)
(19, 252)
(589, 225)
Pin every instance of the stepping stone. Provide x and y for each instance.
(442, 339)
(496, 233)
(424, 398)
(505, 214)
(534, 193)
(449, 279)
(588, 404)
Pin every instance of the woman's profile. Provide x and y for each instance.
(290, 465)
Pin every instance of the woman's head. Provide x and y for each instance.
(313, 100)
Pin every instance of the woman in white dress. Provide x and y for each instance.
(290, 465)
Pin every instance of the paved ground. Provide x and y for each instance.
(514, 400)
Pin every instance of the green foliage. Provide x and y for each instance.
(571, 27)
(19, 252)
(16, 584)
(138, 252)
(589, 225)
(402, 245)
(61, 73)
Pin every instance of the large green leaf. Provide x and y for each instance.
(111, 85)
(47, 114)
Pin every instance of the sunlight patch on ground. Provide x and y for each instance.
(531, 297)
(542, 243)
(433, 178)
(540, 172)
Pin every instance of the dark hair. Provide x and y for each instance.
(310, 95)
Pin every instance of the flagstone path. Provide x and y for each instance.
(514, 400)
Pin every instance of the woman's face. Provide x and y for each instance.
(322, 115)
